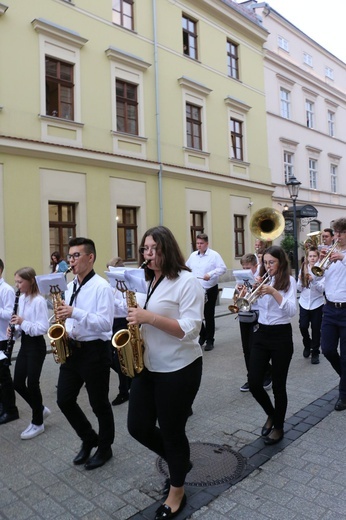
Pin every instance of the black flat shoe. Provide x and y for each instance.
(8, 417)
(84, 453)
(340, 405)
(269, 441)
(99, 459)
(164, 512)
(266, 429)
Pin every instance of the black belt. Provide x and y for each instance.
(336, 305)
(74, 343)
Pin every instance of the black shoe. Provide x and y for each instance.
(340, 405)
(84, 453)
(8, 417)
(201, 341)
(267, 383)
(315, 359)
(269, 441)
(267, 427)
(99, 459)
(209, 345)
(164, 512)
(306, 352)
(120, 399)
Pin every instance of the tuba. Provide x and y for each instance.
(267, 224)
(57, 332)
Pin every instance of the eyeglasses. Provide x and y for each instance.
(146, 249)
(75, 256)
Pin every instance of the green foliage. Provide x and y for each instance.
(287, 243)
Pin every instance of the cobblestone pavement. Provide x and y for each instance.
(306, 480)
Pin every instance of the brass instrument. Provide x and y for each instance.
(313, 239)
(267, 224)
(57, 332)
(243, 304)
(324, 264)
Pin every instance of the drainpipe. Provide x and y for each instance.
(157, 115)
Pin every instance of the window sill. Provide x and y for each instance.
(129, 144)
(196, 158)
(61, 131)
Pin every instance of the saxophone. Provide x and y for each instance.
(57, 332)
(128, 342)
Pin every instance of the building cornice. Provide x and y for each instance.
(64, 34)
(126, 58)
(194, 85)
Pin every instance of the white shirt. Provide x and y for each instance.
(120, 303)
(335, 281)
(34, 312)
(311, 297)
(209, 263)
(93, 310)
(181, 299)
(6, 307)
(271, 313)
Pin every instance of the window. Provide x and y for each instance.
(127, 233)
(196, 226)
(236, 139)
(59, 89)
(239, 234)
(333, 178)
(288, 166)
(126, 107)
(283, 43)
(285, 103)
(331, 123)
(193, 126)
(315, 225)
(62, 226)
(190, 37)
(309, 107)
(123, 13)
(232, 60)
(313, 174)
(329, 73)
(307, 59)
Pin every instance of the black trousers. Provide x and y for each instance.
(247, 336)
(314, 318)
(208, 328)
(165, 398)
(7, 394)
(89, 364)
(271, 342)
(27, 374)
(124, 381)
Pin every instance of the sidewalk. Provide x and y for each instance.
(306, 480)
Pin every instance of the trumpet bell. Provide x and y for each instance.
(233, 309)
(317, 270)
(243, 305)
(267, 224)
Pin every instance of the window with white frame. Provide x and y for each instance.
(236, 129)
(285, 103)
(313, 174)
(283, 43)
(307, 58)
(232, 60)
(329, 73)
(333, 178)
(309, 110)
(331, 123)
(288, 166)
(122, 13)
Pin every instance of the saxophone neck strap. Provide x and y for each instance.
(151, 289)
(84, 281)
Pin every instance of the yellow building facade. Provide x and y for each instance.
(118, 116)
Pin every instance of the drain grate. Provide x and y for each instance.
(213, 464)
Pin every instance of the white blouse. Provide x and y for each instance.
(311, 297)
(34, 312)
(271, 313)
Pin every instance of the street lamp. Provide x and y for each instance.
(293, 186)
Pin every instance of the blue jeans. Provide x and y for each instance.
(334, 334)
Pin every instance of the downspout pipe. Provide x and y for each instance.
(157, 113)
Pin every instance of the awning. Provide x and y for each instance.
(301, 211)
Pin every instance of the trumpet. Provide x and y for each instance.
(323, 265)
(243, 304)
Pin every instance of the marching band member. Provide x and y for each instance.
(273, 341)
(334, 311)
(31, 323)
(311, 303)
(88, 310)
(162, 395)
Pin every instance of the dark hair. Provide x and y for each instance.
(89, 245)
(117, 261)
(329, 230)
(172, 260)
(339, 224)
(282, 277)
(57, 256)
(28, 273)
(202, 236)
(249, 258)
(2, 265)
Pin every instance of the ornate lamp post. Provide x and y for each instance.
(293, 186)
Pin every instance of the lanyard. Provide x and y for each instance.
(151, 290)
(84, 281)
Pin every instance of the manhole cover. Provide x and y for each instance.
(213, 464)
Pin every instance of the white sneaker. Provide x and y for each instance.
(27, 429)
(32, 432)
(46, 412)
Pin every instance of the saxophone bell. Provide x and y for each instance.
(57, 333)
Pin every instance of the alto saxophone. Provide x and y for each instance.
(57, 332)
